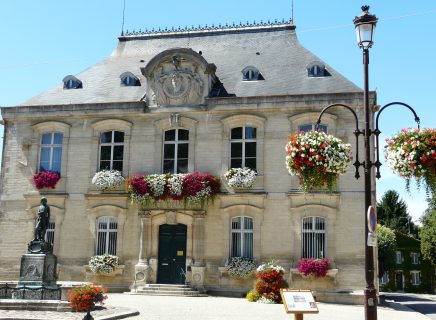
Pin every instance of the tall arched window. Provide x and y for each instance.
(309, 127)
(111, 150)
(243, 147)
(313, 237)
(176, 151)
(242, 237)
(107, 229)
(51, 152)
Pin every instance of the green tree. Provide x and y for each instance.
(386, 249)
(428, 236)
(392, 213)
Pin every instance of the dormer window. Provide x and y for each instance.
(71, 82)
(317, 69)
(128, 79)
(251, 74)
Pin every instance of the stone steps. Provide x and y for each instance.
(167, 290)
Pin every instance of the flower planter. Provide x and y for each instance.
(89, 275)
(317, 158)
(299, 281)
(411, 154)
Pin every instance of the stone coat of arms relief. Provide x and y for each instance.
(175, 82)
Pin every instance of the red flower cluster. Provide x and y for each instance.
(139, 185)
(269, 283)
(46, 179)
(315, 267)
(85, 297)
(411, 153)
(193, 183)
(192, 186)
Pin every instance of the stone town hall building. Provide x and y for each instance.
(222, 97)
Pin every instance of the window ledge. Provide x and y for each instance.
(119, 270)
(331, 274)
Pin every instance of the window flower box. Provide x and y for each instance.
(46, 179)
(106, 180)
(241, 178)
(191, 188)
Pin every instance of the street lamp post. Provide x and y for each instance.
(365, 25)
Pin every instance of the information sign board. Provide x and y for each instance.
(372, 239)
(298, 301)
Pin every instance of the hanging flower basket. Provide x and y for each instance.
(317, 158)
(411, 153)
(314, 267)
(191, 187)
(46, 179)
(107, 179)
(240, 178)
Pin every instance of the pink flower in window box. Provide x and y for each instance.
(46, 179)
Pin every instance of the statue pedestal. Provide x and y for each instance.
(37, 278)
(38, 270)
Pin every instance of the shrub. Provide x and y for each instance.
(46, 179)
(240, 267)
(85, 297)
(103, 264)
(252, 295)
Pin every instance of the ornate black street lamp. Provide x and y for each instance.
(365, 25)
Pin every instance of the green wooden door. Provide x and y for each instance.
(172, 254)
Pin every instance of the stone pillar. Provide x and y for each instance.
(198, 269)
(142, 268)
(198, 238)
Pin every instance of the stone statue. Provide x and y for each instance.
(43, 220)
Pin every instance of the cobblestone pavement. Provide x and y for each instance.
(211, 308)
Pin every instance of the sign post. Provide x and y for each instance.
(372, 226)
(298, 302)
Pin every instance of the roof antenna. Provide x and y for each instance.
(122, 25)
(292, 12)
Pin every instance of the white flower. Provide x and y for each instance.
(107, 179)
(241, 178)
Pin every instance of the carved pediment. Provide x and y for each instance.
(178, 77)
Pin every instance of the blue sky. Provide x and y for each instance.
(42, 41)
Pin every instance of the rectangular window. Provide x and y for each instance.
(50, 156)
(242, 237)
(399, 257)
(384, 279)
(416, 278)
(243, 147)
(414, 257)
(111, 150)
(309, 127)
(313, 238)
(176, 151)
(107, 228)
(50, 232)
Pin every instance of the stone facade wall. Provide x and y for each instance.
(275, 205)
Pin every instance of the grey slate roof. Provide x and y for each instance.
(281, 60)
